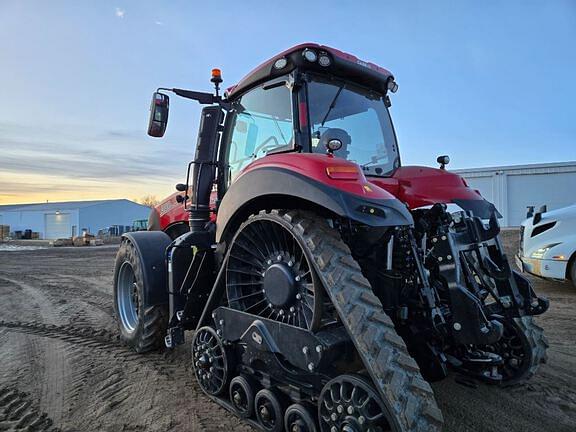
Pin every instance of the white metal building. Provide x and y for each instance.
(67, 219)
(513, 188)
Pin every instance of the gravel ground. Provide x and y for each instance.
(62, 367)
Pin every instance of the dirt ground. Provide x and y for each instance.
(62, 367)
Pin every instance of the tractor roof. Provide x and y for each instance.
(341, 64)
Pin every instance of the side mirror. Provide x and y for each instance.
(443, 161)
(180, 187)
(538, 215)
(158, 115)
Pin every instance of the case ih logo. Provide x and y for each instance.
(167, 206)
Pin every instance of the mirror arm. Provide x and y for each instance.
(201, 97)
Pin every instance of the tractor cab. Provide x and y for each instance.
(312, 113)
(300, 101)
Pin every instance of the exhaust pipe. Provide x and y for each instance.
(204, 167)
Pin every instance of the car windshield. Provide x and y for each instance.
(359, 119)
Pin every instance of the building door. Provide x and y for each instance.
(57, 225)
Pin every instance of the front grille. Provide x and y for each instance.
(521, 247)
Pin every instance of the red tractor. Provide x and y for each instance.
(325, 283)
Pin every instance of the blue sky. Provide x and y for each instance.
(489, 83)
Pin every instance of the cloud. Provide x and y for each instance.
(160, 23)
(120, 12)
(60, 162)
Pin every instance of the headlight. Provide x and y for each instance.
(540, 252)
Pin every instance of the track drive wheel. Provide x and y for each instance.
(522, 347)
(141, 328)
(407, 399)
(299, 419)
(242, 396)
(211, 363)
(270, 274)
(269, 411)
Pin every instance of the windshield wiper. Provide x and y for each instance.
(332, 104)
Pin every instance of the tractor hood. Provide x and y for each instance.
(419, 186)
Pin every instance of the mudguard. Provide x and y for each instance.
(151, 247)
(274, 187)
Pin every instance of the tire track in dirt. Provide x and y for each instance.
(17, 412)
(116, 378)
(48, 365)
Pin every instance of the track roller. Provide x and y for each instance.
(349, 403)
(210, 361)
(242, 396)
(269, 411)
(298, 419)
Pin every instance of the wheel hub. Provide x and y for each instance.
(280, 285)
(265, 413)
(127, 298)
(204, 361)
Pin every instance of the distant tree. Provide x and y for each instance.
(149, 200)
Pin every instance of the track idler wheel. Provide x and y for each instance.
(242, 396)
(210, 361)
(349, 403)
(298, 419)
(269, 411)
(522, 348)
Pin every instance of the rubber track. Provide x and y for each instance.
(18, 413)
(538, 344)
(408, 397)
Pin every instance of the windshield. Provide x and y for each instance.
(359, 119)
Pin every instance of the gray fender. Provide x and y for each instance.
(151, 247)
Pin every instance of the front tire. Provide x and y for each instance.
(141, 327)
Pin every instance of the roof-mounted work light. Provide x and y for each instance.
(310, 55)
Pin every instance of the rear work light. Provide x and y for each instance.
(324, 59)
(280, 63)
(342, 173)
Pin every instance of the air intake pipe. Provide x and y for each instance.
(204, 167)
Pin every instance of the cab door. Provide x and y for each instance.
(259, 122)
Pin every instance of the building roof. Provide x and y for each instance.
(63, 205)
(539, 168)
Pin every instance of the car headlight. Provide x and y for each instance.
(540, 252)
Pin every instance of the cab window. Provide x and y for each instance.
(262, 121)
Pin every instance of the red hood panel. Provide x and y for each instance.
(171, 211)
(421, 186)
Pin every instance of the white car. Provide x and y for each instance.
(548, 244)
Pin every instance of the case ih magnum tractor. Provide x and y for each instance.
(324, 282)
